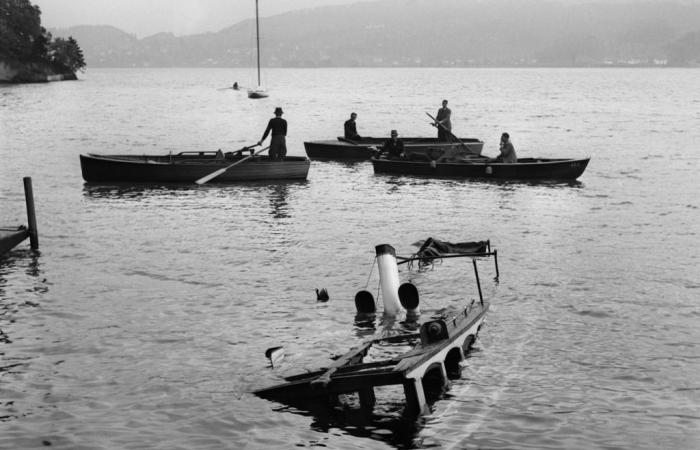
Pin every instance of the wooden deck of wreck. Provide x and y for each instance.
(440, 346)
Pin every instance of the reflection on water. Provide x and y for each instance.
(385, 424)
(278, 201)
(387, 421)
(135, 191)
(13, 303)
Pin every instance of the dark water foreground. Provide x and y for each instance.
(143, 319)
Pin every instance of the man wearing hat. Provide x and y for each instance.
(278, 142)
(393, 146)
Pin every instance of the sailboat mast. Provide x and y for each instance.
(257, 38)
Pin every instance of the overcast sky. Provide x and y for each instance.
(147, 17)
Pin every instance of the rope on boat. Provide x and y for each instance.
(370, 272)
(423, 262)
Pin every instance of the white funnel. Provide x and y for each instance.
(389, 278)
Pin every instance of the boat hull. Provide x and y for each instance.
(10, 238)
(257, 94)
(177, 169)
(364, 149)
(524, 169)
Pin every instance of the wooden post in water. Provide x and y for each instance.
(367, 398)
(415, 397)
(478, 284)
(31, 215)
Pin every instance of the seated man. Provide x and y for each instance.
(351, 128)
(393, 146)
(507, 150)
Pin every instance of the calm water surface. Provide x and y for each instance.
(143, 319)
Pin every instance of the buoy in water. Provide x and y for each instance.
(364, 302)
(275, 355)
(389, 278)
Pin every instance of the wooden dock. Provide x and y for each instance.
(11, 236)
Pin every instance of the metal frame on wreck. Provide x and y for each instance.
(443, 344)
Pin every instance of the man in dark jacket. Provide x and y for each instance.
(393, 146)
(351, 128)
(444, 125)
(507, 150)
(278, 142)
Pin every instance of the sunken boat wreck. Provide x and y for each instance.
(433, 354)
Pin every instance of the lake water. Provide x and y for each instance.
(143, 320)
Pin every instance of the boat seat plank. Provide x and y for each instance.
(355, 353)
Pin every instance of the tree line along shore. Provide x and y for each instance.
(28, 52)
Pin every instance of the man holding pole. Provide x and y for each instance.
(444, 125)
(278, 142)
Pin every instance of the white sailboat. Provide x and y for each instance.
(259, 91)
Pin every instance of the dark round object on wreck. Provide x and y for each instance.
(364, 302)
(408, 296)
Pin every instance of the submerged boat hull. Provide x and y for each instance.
(524, 169)
(363, 149)
(10, 238)
(189, 168)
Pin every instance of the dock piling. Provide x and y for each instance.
(31, 215)
(416, 404)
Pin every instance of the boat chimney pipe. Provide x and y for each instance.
(389, 278)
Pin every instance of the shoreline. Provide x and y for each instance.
(17, 73)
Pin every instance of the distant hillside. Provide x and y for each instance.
(425, 33)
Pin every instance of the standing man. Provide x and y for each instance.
(443, 118)
(278, 142)
(351, 128)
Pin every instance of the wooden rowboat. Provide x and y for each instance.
(11, 237)
(524, 169)
(363, 149)
(187, 167)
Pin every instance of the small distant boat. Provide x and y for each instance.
(188, 167)
(524, 169)
(259, 91)
(364, 148)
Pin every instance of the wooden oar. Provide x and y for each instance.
(453, 136)
(220, 171)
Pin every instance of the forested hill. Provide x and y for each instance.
(28, 52)
(426, 33)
